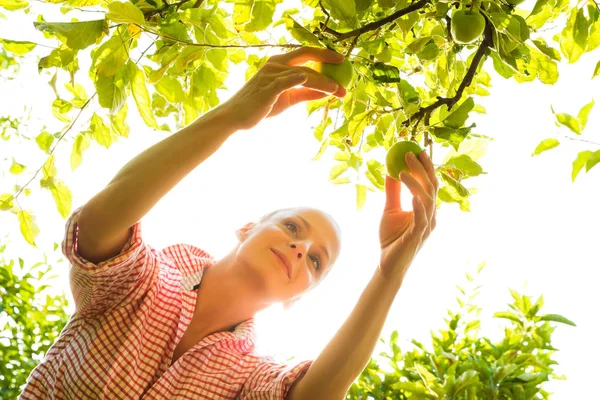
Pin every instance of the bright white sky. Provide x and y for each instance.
(535, 229)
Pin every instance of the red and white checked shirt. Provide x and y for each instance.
(131, 311)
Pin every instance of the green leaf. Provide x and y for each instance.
(100, 132)
(48, 169)
(300, 33)
(141, 95)
(557, 318)
(583, 114)
(125, 12)
(62, 197)
(567, 120)
(337, 170)
(508, 315)
(17, 47)
(574, 35)
(59, 57)
(466, 164)
(596, 70)
(16, 168)
(171, 89)
(111, 56)
(344, 10)
(383, 73)
(118, 123)
(551, 52)
(361, 196)
(449, 194)
(261, 14)
(503, 69)
(111, 91)
(28, 226)
(458, 117)
(544, 145)
(593, 160)
(81, 143)
(76, 35)
(460, 189)
(13, 5)
(322, 149)
(451, 135)
(44, 141)
(6, 201)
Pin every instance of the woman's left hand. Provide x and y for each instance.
(402, 233)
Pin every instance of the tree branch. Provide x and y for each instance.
(219, 46)
(581, 140)
(467, 80)
(324, 26)
(54, 147)
(377, 24)
(149, 14)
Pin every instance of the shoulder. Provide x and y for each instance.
(188, 258)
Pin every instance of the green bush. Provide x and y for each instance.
(464, 366)
(30, 321)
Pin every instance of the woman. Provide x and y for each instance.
(177, 323)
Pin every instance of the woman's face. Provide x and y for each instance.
(306, 239)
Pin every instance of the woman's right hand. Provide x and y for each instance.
(272, 89)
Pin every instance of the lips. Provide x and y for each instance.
(286, 262)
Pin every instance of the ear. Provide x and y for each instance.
(242, 233)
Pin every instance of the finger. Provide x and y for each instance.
(420, 217)
(305, 54)
(287, 81)
(418, 191)
(294, 96)
(315, 81)
(304, 94)
(414, 186)
(392, 194)
(429, 169)
(418, 171)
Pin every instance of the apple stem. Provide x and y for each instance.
(475, 5)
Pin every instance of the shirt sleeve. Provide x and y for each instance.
(114, 282)
(272, 381)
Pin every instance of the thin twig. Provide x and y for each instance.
(151, 13)
(144, 52)
(376, 24)
(581, 140)
(222, 46)
(54, 147)
(467, 80)
(326, 13)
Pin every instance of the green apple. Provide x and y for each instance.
(395, 158)
(341, 73)
(514, 2)
(467, 26)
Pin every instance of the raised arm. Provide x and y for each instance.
(402, 234)
(106, 219)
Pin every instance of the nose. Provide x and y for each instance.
(299, 251)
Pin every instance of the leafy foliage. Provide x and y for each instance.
(413, 80)
(30, 321)
(461, 364)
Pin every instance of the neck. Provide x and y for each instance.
(226, 296)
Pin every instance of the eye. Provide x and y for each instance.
(294, 225)
(317, 265)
